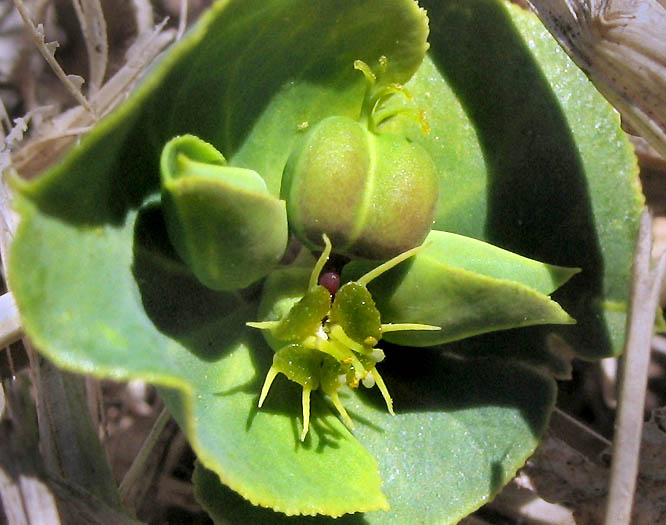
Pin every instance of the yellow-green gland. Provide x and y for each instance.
(373, 194)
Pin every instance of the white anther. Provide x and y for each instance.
(369, 381)
(377, 355)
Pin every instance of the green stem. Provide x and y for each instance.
(370, 82)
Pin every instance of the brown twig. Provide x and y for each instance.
(643, 306)
(47, 50)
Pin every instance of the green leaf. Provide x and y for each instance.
(479, 257)
(461, 430)
(310, 48)
(101, 290)
(532, 159)
(257, 452)
(466, 287)
(148, 317)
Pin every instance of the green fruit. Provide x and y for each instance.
(373, 194)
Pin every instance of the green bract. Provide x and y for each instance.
(222, 221)
(107, 266)
(466, 287)
(374, 194)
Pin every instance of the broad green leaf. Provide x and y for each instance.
(146, 316)
(101, 291)
(532, 158)
(480, 257)
(466, 287)
(461, 430)
(321, 41)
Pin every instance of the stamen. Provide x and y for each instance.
(270, 377)
(385, 267)
(341, 354)
(370, 341)
(369, 381)
(386, 92)
(364, 68)
(385, 393)
(383, 63)
(418, 116)
(370, 81)
(306, 412)
(398, 327)
(314, 277)
(377, 355)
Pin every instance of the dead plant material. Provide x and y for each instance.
(620, 45)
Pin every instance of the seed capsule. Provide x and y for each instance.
(373, 194)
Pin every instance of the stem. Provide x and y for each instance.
(137, 468)
(370, 81)
(69, 440)
(633, 383)
(93, 27)
(318, 267)
(42, 46)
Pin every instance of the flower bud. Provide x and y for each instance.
(373, 194)
(221, 220)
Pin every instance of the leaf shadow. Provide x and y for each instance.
(497, 477)
(435, 381)
(284, 399)
(199, 318)
(538, 197)
(177, 304)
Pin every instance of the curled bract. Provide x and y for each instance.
(374, 194)
(221, 219)
(325, 342)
